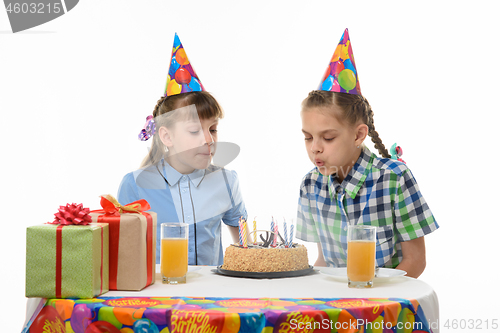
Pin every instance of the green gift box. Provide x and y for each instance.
(67, 261)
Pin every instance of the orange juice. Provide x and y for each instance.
(174, 257)
(360, 260)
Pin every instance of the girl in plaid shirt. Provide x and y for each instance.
(350, 185)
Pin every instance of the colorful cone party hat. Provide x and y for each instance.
(341, 74)
(181, 76)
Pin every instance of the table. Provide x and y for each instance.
(315, 288)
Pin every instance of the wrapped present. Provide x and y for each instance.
(68, 259)
(132, 243)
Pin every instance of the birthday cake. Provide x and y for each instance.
(270, 255)
(256, 258)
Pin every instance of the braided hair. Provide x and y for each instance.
(206, 107)
(355, 108)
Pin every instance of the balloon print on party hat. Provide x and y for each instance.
(181, 76)
(341, 74)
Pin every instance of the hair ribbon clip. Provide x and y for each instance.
(148, 130)
(396, 153)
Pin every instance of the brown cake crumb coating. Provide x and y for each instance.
(265, 259)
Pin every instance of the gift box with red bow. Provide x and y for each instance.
(67, 258)
(132, 243)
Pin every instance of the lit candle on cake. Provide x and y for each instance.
(276, 233)
(245, 233)
(285, 233)
(254, 231)
(239, 231)
(272, 225)
(275, 229)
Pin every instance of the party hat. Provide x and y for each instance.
(341, 74)
(181, 76)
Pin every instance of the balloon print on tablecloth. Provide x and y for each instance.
(407, 319)
(145, 326)
(156, 315)
(392, 309)
(301, 308)
(108, 314)
(369, 310)
(128, 330)
(302, 321)
(48, 320)
(128, 316)
(341, 74)
(203, 302)
(201, 321)
(63, 306)
(89, 301)
(238, 320)
(81, 318)
(101, 327)
(181, 76)
(169, 301)
(231, 323)
(250, 322)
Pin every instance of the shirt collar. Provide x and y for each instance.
(173, 176)
(357, 175)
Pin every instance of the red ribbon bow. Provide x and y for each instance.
(72, 214)
(112, 207)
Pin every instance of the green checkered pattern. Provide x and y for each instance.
(377, 191)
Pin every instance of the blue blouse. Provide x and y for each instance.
(201, 199)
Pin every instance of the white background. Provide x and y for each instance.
(75, 92)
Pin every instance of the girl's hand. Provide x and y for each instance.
(321, 259)
(235, 234)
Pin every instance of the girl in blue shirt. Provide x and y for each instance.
(177, 177)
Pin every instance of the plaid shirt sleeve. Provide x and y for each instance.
(413, 218)
(306, 228)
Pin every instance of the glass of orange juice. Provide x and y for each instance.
(361, 256)
(174, 252)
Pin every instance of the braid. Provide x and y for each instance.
(355, 108)
(318, 99)
(372, 132)
(315, 93)
(156, 110)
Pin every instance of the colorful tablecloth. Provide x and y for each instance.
(228, 315)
